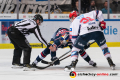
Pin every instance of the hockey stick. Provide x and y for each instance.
(65, 57)
(46, 62)
(53, 61)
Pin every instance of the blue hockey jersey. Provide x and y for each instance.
(56, 38)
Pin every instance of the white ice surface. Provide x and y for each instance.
(57, 72)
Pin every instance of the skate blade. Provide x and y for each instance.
(113, 67)
(29, 69)
(67, 70)
(72, 69)
(94, 65)
(17, 67)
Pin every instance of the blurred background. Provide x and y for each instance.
(56, 7)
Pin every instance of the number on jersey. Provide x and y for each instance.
(86, 20)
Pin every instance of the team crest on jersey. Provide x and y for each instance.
(63, 31)
(70, 29)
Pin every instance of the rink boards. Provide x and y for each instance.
(48, 27)
(39, 45)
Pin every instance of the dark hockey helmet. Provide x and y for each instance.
(38, 17)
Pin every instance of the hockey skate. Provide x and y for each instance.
(34, 65)
(17, 66)
(28, 67)
(92, 63)
(71, 66)
(112, 65)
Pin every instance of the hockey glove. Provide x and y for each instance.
(87, 46)
(56, 62)
(102, 25)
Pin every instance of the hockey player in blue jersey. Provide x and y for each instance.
(60, 39)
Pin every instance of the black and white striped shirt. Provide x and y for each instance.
(28, 26)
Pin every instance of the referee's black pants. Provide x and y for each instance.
(20, 44)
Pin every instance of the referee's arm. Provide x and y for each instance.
(39, 36)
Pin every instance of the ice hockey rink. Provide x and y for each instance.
(57, 72)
